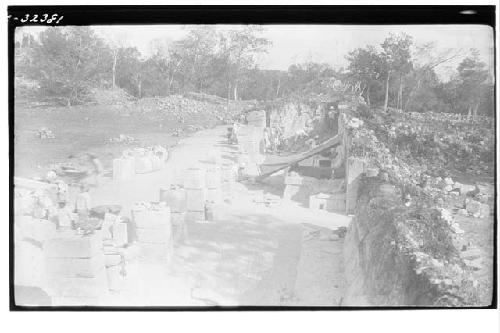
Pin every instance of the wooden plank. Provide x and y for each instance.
(300, 157)
(32, 184)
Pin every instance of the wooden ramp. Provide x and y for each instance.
(294, 159)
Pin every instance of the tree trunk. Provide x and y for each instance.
(278, 88)
(400, 95)
(228, 97)
(386, 91)
(115, 54)
(236, 91)
(476, 107)
(140, 88)
(410, 95)
(368, 95)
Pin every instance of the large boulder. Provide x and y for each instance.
(465, 188)
(477, 209)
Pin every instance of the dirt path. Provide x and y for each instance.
(252, 255)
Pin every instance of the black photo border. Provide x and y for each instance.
(148, 15)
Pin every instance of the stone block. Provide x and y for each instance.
(194, 178)
(297, 193)
(195, 216)
(464, 189)
(78, 286)
(70, 245)
(151, 251)
(116, 278)
(28, 264)
(485, 210)
(213, 195)
(229, 173)
(155, 236)
(123, 169)
(328, 202)
(143, 164)
(195, 199)
(39, 230)
(178, 218)
(473, 207)
(151, 218)
(175, 198)
(120, 234)
(74, 267)
(157, 163)
(76, 301)
(213, 179)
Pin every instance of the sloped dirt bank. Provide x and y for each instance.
(376, 273)
(399, 255)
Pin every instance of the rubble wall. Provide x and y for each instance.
(377, 273)
(292, 117)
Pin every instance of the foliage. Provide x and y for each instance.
(68, 62)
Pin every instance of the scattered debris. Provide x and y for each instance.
(44, 133)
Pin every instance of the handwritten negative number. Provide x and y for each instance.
(45, 18)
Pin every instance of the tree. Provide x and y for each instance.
(237, 52)
(67, 62)
(365, 66)
(423, 76)
(128, 69)
(397, 61)
(473, 75)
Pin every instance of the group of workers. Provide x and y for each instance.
(82, 202)
(273, 139)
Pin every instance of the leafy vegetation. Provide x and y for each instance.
(68, 61)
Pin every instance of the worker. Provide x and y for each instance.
(267, 140)
(62, 191)
(64, 216)
(338, 164)
(97, 168)
(83, 204)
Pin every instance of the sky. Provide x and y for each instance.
(320, 43)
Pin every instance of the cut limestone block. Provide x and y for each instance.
(156, 251)
(213, 156)
(194, 178)
(213, 195)
(114, 271)
(74, 267)
(178, 218)
(328, 202)
(229, 173)
(213, 178)
(151, 218)
(156, 163)
(116, 277)
(120, 235)
(175, 198)
(123, 168)
(143, 164)
(39, 230)
(156, 236)
(70, 245)
(76, 301)
(195, 216)
(195, 199)
(179, 232)
(28, 264)
(297, 193)
(79, 286)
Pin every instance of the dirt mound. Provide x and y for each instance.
(115, 96)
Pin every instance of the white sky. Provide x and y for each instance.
(320, 43)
